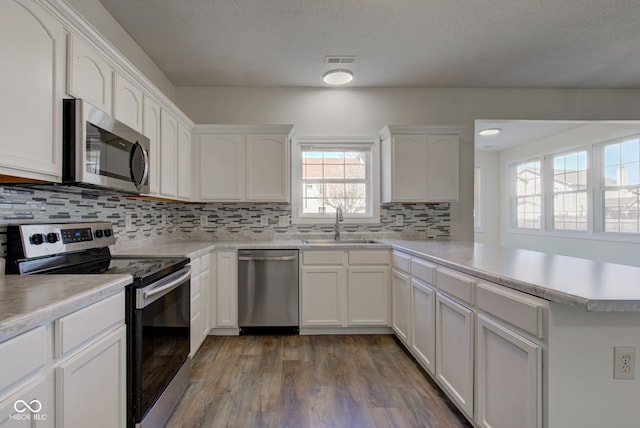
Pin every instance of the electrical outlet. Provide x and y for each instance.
(624, 362)
(163, 220)
(283, 220)
(264, 221)
(399, 220)
(204, 220)
(128, 222)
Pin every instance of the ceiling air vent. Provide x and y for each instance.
(343, 59)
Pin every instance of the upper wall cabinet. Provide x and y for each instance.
(151, 129)
(32, 46)
(244, 163)
(90, 75)
(127, 102)
(419, 164)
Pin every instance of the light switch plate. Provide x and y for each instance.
(399, 220)
(283, 220)
(128, 222)
(264, 221)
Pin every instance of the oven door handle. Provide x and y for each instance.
(267, 259)
(165, 288)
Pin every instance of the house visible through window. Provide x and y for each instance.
(570, 201)
(527, 199)
(328, 175)
(620, 186)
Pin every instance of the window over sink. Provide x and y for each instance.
(335, 172)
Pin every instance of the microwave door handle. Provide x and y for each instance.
(145, 155)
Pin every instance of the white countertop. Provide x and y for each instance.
(28, 301)
(586, 284)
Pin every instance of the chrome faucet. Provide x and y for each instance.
(336, 227)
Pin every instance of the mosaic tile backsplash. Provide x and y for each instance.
(224, 221)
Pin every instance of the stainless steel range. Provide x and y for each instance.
(157, 313)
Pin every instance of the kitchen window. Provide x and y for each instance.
(526, 200)
(619, 186)
(335, 172)
(569, 196)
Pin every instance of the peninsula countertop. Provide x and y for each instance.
(28, 301)
(585, 284)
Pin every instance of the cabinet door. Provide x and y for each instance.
(401, 304)
(409, 168)
(227, 289)
(423, 332)
(31, 83)
(33, 409)
(151, 130)
(91, 388)
(195, 329)
(442, 168)
(205, 299)
(127, 102)
(321, 290)
(267, 168)
(368, 296)
(454, 351)
(168, 154)
(90, 75)
(184, 161)
(221, 167)
(509, 378)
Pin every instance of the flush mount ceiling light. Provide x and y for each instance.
(489, 131)
(337, 77)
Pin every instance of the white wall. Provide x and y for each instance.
(105, 24)
(490, 162)
(598, 248)
(333, 111)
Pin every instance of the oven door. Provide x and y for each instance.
(159, 346)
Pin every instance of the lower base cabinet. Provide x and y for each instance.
(90, 386)
(401, 303)
(321, 291)
(423, 332)
(454, 351)
(509, 378)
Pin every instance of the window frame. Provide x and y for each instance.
(513, 197)
(368, 143)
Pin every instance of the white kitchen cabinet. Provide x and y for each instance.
(344, 288)
(90, 75)
(509, 378)
(36, 396)
(244, 163)
(205, 305)
(90, 386)
(267, 168)
(418, 164)
(321, 291)
(401, 304)
(151, 129)
(168, 154)
(200, 301)
(454, 351)
(423, 331)
(368, 295)
(127, 102)
(185, 159)
(32, 82)
(226, 289)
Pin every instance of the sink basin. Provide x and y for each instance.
(340, 242)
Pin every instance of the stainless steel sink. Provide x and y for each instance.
(340, 242)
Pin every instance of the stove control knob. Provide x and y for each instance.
(52, 238)
(37, 238)
(98, 233)
(108, 232)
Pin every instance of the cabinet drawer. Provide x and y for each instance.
(88, 323)
(455, 284)
(368, 257)
(323, 257)
(195, 265)
(22, 355)
(423, 270)
(519, 309)
(401, 261)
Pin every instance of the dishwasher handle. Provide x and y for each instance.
(268, 259)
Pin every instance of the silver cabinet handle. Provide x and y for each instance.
(268, 259)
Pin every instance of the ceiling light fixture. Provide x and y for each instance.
(337, 77)
(489, 131)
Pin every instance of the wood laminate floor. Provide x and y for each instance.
(310, 381)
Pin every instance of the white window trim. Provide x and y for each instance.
(370, 142)
(513, 219)
(479, 211)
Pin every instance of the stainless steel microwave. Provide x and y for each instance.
(101, 152)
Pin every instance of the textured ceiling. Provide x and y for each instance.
(411, 43)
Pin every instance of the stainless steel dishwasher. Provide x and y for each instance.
(268, 291)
